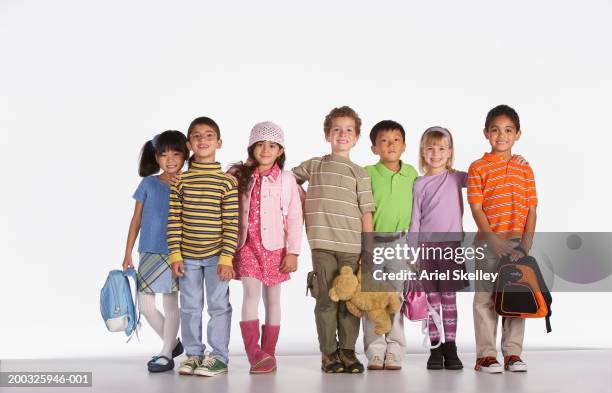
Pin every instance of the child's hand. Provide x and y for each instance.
(231, 176)
(225, 273)
(178, 269)
(519, 159)
(515, 255)
(127, 263)
(174, 179)
(500, 247)
(289, 264)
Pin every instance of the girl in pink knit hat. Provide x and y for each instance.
(269, 239)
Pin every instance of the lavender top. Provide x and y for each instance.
(438, 206)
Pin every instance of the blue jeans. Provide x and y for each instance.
(201, 275)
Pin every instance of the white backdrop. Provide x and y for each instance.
(83, 85)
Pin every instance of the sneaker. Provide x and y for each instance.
(488, 365)
(392, 362)
(351, 364)
(514, 363)
(331, 363)
(211, 366)
(189, 365)
(376, 363)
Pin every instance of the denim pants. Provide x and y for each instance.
(200, 277)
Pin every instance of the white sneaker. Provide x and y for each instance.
(514, 363)
(376, 363)
(488, 365)
(392, 362)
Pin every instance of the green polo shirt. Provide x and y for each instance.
(392, 193)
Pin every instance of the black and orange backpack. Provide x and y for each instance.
(520, 290)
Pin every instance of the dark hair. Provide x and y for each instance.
(343, 111)
(203, 121)
(386, 125)
(166, 141)
(243, 171)
(503, 110)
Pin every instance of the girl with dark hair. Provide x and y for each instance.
(269, 239)
(166, 152)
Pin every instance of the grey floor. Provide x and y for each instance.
(554, 371)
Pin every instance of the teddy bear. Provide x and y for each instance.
(378, 305)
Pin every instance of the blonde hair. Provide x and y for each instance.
(434, 136)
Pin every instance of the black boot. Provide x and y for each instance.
(435, 361)
(451, 360)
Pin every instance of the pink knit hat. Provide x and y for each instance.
(267, 131)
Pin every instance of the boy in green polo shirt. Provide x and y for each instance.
(392, 182)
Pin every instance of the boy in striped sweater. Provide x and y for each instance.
(202, 239)
(338, 209)
(502, 196)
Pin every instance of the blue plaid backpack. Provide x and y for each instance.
(119, 310)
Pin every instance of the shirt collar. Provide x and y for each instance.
(490, 157)
(272, 173)
(205, 166)
(383, 170)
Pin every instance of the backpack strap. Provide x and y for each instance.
(131, 273)
(425, 326)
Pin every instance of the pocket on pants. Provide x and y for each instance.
(312, 284)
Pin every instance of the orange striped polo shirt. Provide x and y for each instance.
(505, 190)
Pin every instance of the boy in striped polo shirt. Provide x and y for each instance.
(338, 209)
(502, 196)
(202, 239)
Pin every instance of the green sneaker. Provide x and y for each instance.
(189, 365)
(210, 366)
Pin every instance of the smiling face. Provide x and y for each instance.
(437, 155)
(203, 142)
(342, 135)
(170, 161)
(502, 134)
(266, 153)
(389, 146)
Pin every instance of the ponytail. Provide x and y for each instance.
(148, 164)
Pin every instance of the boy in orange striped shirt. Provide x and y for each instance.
(502, 196)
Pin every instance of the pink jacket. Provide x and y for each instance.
(278, 230)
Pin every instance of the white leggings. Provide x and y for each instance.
(166, 326)
(252, 292)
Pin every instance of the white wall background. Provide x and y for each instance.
(83, 85)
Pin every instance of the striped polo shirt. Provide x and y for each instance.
(339, 194)
(505, 190)
(203, 215)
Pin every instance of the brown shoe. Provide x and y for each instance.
(349, 360)
(331, 364)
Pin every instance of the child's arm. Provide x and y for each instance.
(530, 224)
(132, 235)
(302, 172)
(367, 224)
(527, 238)
(475, 198)
(500, 246)
(295, 220)
(175, 229)
(229, 236)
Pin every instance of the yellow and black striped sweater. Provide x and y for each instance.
(203, 215)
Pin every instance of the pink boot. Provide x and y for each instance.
(269, 337)
(260, 361)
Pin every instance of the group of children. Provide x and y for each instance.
(204, 227)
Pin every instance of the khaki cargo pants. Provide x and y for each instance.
(332, 318)
(485, 318)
